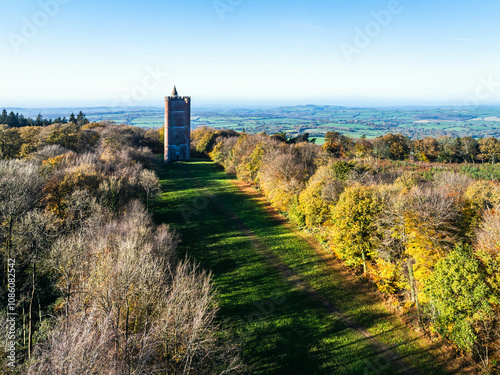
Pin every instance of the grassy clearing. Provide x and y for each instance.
(283, 329)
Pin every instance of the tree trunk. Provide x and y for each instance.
(126, 337)
(68, 295)
(363, 255)
(413, 287)
(24, 326)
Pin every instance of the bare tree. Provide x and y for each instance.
(135, 313)
(415, 229)
(68, 258)
(20, 189)
(148, 181)
(454, 182)
(83, 345)
(32, 239)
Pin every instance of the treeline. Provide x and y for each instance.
(15, 120)
(426, 236)
(97, 287)
(22, 142)
(429, 149)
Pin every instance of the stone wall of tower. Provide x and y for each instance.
(177, 128)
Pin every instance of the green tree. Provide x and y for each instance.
(39, 120)
(342, 169)
(3, 117)
(459, 296)
(470, 149)
(81, 119)
(281, 137)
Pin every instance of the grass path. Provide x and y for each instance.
(295, 310)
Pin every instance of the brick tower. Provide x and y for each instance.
(177, 127)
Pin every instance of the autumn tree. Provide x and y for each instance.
(65, 135)
(30, 140)
(62, 184)
(415, 230)
(204, 139)
(426, 149)
(338, 145)
(489, 150)
(354, 225)
(450, 150)
(222, 154)
(247, 156)
(479, 197)
(314, 208)
(10, 143)
(391, 146)
(363, 147)
(282, 178)
(430, 223)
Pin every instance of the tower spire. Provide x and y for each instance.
(174, 92)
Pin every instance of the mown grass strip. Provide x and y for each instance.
(283, 329)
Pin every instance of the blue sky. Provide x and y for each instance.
(254, 52)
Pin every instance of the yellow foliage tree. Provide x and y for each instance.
(314, 208)
(61, 185)
(30, 139)
(430, 226)
(483, 194)
(354, 225)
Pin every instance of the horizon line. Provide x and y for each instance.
(248, 106)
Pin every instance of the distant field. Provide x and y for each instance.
(415, 122)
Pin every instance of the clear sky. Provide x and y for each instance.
(253, 52)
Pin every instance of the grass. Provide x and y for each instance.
(282, 329)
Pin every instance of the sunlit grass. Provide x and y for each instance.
(283, 330)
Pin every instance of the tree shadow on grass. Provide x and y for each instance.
(295, 336)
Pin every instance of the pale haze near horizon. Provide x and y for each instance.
(58, 53)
